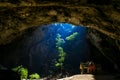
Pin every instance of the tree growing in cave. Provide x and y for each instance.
(59, 43)
(62, 54)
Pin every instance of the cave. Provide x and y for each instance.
(36, 48)
(29, 29)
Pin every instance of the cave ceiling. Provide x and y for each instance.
(16, 18)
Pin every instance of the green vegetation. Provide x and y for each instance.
(62, 54)
(59, 42)
(22, 71)
(34, 76)
(72, 36)
(61, 59)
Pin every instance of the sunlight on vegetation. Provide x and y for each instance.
(61, 57)
(22, 71)
(59, 42)
(72, 36)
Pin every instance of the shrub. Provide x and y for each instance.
(22, 71)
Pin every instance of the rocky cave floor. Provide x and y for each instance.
(92, 77)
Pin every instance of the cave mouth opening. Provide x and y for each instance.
(53, 40)
(39, 49)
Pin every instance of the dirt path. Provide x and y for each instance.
(90, 77)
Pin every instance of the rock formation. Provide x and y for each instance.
(101, 18)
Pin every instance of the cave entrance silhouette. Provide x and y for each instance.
(36, 49)
(43, 52)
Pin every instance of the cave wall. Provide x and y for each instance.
(15, 19)
(107, 50)
(103, 21)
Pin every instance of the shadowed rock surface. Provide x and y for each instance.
(102, 18)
